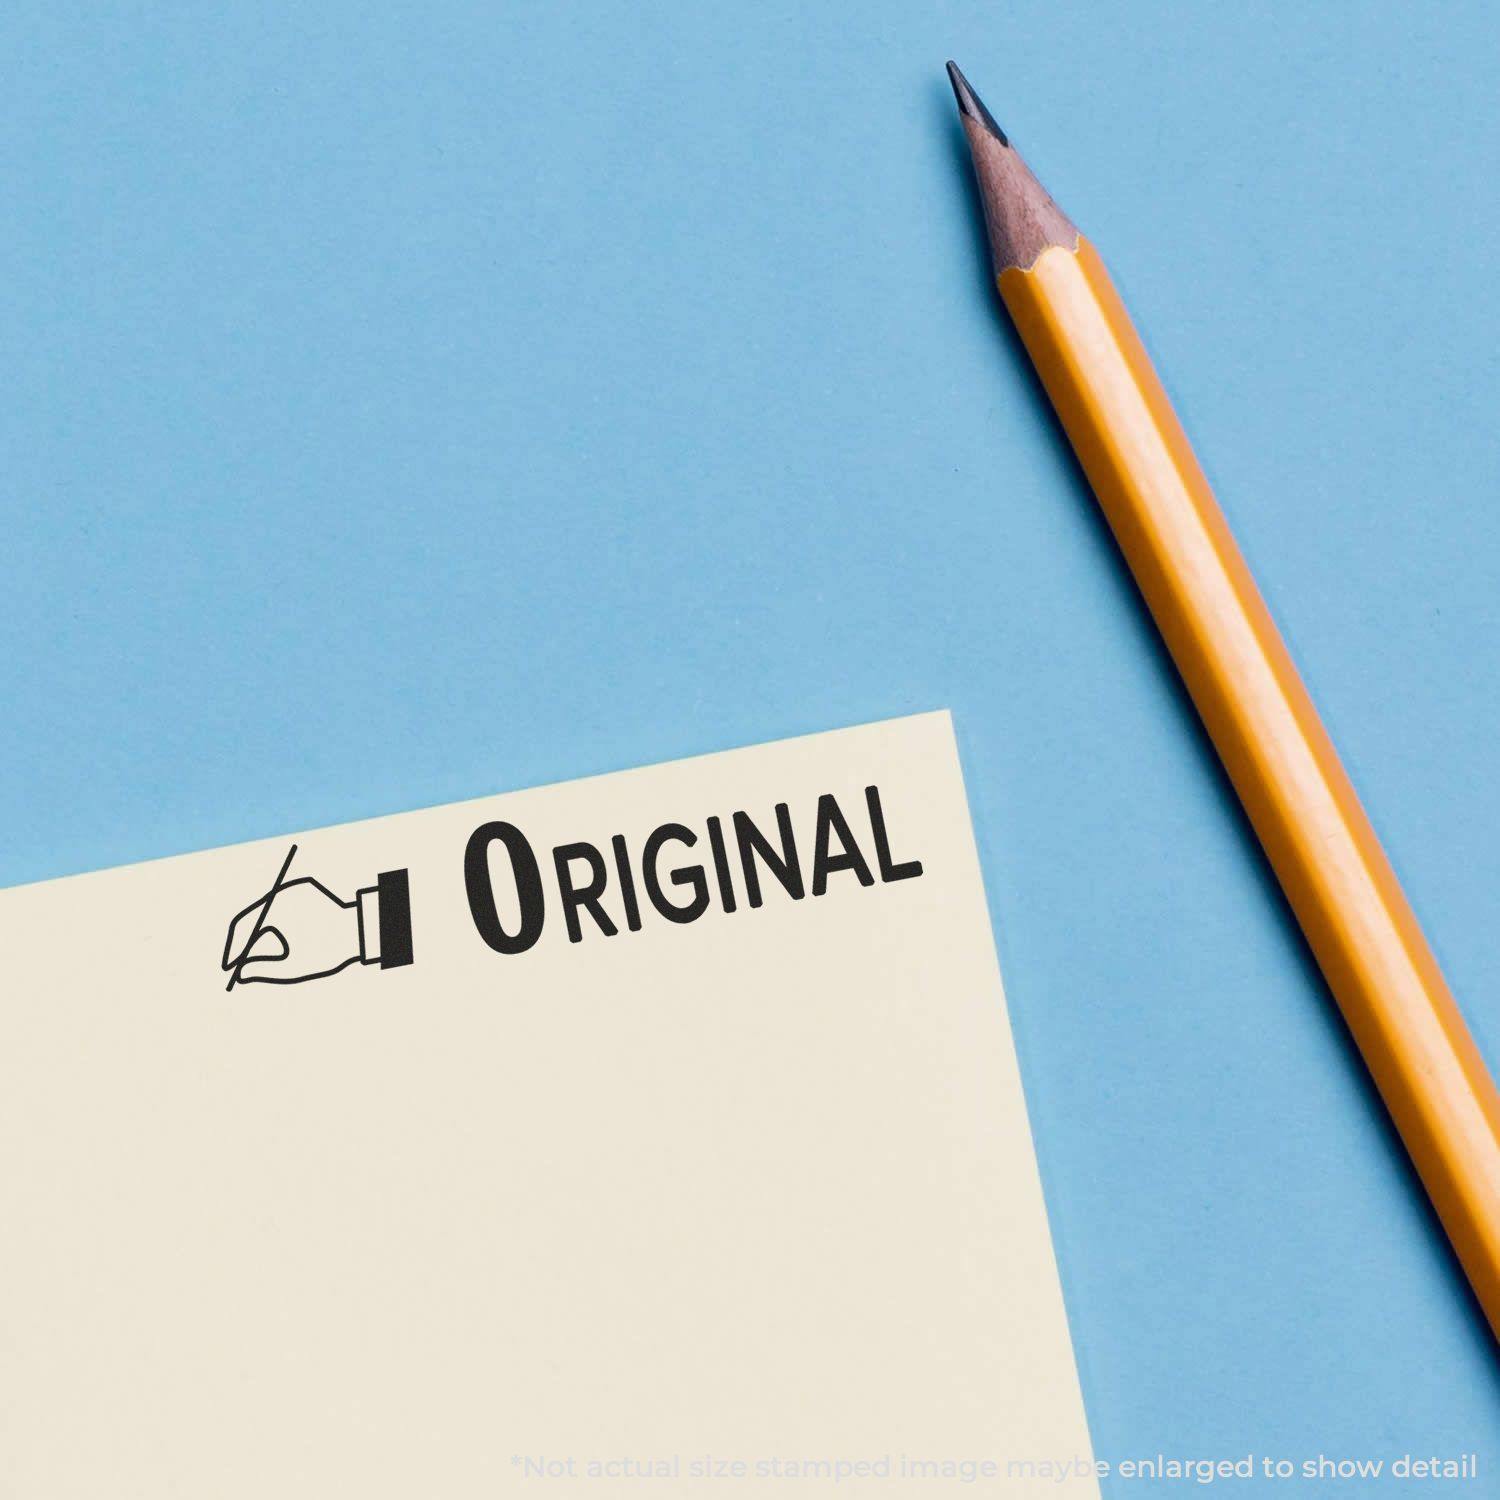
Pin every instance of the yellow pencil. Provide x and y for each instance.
(1262, 722)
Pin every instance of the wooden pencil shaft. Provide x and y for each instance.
(1263, 724)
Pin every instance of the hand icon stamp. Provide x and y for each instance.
(300, 930)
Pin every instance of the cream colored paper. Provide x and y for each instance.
(748, 1196)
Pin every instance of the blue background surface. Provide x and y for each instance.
(410, 402)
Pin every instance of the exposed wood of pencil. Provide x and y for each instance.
(1278, 755)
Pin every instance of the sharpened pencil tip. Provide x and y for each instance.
(970, 104)
(1019, 216)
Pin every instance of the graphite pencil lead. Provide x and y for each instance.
(971, 105)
